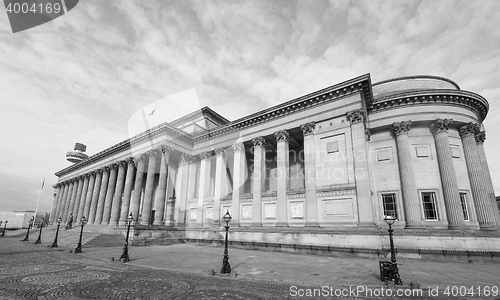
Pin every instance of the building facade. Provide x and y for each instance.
(324, 168)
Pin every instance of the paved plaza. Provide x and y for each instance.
(184, 271)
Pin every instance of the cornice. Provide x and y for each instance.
(361, 84)
(464, 98)
(144, 137)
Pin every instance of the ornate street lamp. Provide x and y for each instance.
(4, 226)
(393, 272)
(226, 267)
(125, 256)
(30, 223)
(54, 243)
(39, 239)
(79, 247)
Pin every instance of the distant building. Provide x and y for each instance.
(19, 219)
(322, 169)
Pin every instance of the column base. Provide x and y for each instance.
(281, 224)
(256, 224)
(488, 227)
(158, 223)
(311, 224)
(458, 227)
(104, 223)
(414, 226)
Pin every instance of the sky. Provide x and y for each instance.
(80, 77)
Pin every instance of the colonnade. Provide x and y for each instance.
(478, 174)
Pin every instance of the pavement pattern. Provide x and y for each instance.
(184, 271)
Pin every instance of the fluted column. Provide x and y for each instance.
(60, 195)
(129, 184)
(407, 175)
(102, 195)
(259, 178)
(478, 185)
(448, 175)
(108, 202)
(136, 194)
(170, 201)
(311, 205)
(161, 193)
(88, 198)
(181, 189)
(220, 189)
(480, 137)
(83, 196)
(203, 187)
(148, 194)
(117, 195)
(76, 199)
(239, 168)
(95, 196)
(282, 157)
(67, 201)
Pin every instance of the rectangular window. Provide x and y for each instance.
(429, 204)
(389, 202)
(384, 154)
(455, 151)
(463, 201)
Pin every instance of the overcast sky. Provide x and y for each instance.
(82, 76)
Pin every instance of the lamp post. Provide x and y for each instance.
(125, 256)
(54, 243)
(30, 223)
(393, 270)
(79, 247)
(4, 226)
(226, 267)
(39, 239)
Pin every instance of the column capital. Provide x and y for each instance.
(106, 169)
(152, 153)
(113, 166)
(440, 125)
(98, 171)
(205, 155)
(139, 158)
(480, 137)
(93, 173)
(469, 129)
(220, 152)
(87, 175)
(368, 134)
(308, 128)
(399, 128)
(130, 161)
(167, 150)
(187, 158)
(356, 116)
(282, 136)
(239, 147)
(259, 142)
(122, 164)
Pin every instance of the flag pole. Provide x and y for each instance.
(38, 202)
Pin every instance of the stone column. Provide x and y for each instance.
(57, 200)
(448, 175)
(311, 205)
(60, 203)
(411, 201)
(192, 192)
(357, 118)
(148, 194)
(71, 191)
(239, 168)
(181, 189)
(129, 184)
(95, 196)
(102, 195)
(161, 193)
(117, 195)
(170, 201)
(480, 137)
(220, 188)
(76, 200)
(259, 178)
(88, 198)
(136, 194)
(108, 201)
(478, 185)
(282, 157)
(204, 185)
(83, 197)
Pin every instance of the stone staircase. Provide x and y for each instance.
(93, 235)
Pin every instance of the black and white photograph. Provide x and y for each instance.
(249, 149)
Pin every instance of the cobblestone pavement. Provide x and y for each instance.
(30, 271)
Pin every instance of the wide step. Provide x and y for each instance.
(107, 240)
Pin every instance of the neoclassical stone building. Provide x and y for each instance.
(322, 169)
